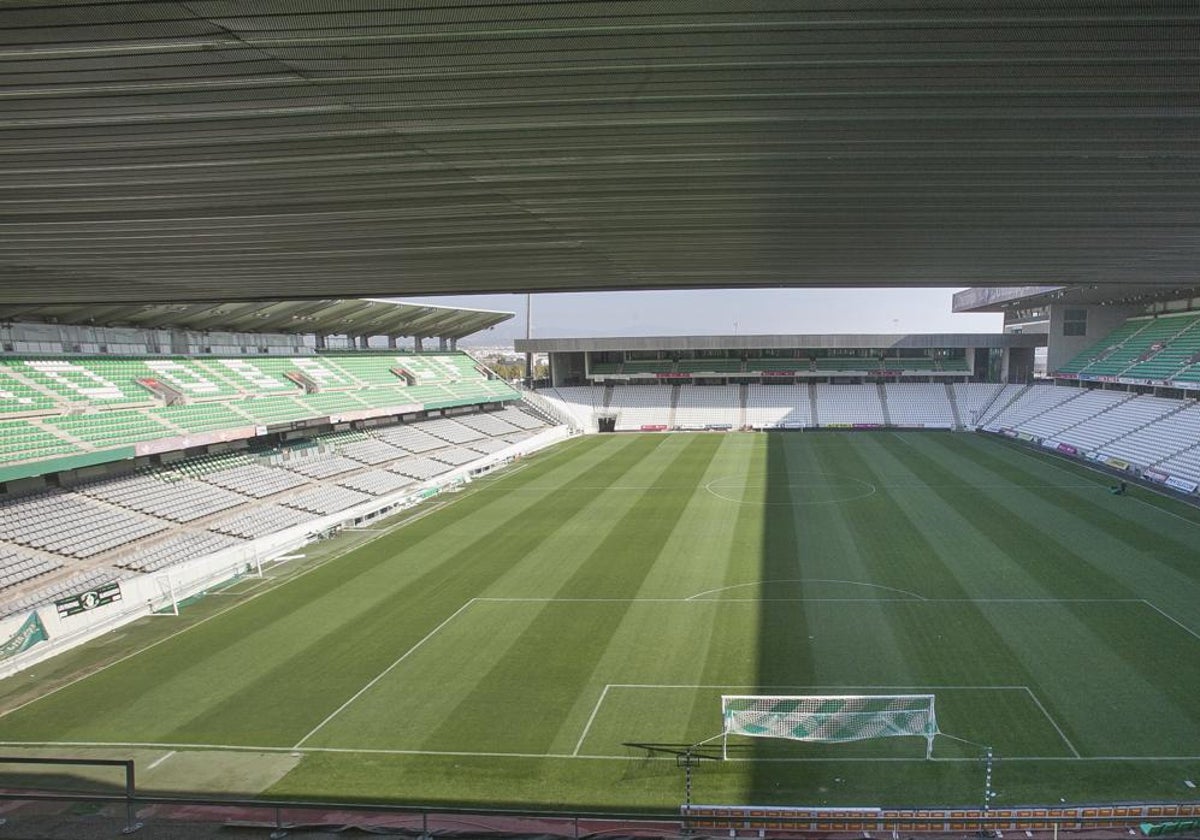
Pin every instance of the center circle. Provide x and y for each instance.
(802, 488)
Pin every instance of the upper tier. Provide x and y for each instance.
(55, 406)
(1162, 351)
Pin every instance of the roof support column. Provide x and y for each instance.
(441, 342)
(391, 342)
(418, 343)
(454, 344)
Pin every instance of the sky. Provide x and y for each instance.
(725, 312)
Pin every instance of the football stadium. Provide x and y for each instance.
(280, 553)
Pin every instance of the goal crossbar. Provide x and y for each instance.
(828, 718)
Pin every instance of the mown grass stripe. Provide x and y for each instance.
(613, 567)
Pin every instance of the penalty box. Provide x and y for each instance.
(577, 677)
(629, 715)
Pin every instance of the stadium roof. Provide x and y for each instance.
(879, 341)
(332, 317)
(212, 150)
(999, 299)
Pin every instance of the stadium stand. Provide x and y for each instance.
(1081, 407)
(1027, 404)
(376, 482)
(975, 398)
(705, 405)
(17, 567)
(1162, 349)
(71, 525)
(68, 405)
(179, 500)
(327, 499)
(175, 549)
(641, 405)
(849, 404)
(919, 404)
(768, 406)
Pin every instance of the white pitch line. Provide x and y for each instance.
(159, 761)
(1172, 619)
(1053, 722)
(693, 599)
(587, 728)
(384, 673)
(563, 756)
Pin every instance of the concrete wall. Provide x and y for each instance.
(1101, 320)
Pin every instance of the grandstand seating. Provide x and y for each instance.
(778, 405)
(376, 482)
(67, 405)
(327, 499)
(701, 405)
(919, 404)
(180, 500)
(175, 549)
(1116, 422)
(1161, 348)
(1159, 442)
(578, 403)
(849, 404)
(974, 398)
(641, 405)
(1028, 404)
(17, 567)
(1072, 412)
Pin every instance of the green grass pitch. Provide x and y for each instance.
(504, 648)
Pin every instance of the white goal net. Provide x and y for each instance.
(829, 718)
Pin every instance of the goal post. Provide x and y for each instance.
(828, 718)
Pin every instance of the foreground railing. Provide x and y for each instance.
(278, 817)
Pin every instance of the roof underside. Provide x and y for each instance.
(335, 317)
(779, 342)
(257, 149)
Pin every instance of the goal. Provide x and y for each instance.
(829, 718)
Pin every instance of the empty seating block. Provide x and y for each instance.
(376, 482)
(97, 381)
(18, 398)
(1071, 413)
(455, 456)
(327, 499)
(322, 466)
(1159, 441)
(178, 501)
(71, 525)
(487, 446)
(419, 468)
(972, 399)
(1038, 399)
(778, 405)
(256, 480)
(17, 567)
(701, 405)
(202, 417)
(264, 519)
(409, 438)
(111, 428)
(1115, 422)
(267, 410)
(848, 404)
(641, 405)
(371, 451)
(519, 418)
(175, 549)
(485, 423)
(451, 431)
(25, 441)
(919, 404)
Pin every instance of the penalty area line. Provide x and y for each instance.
(383, 673)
